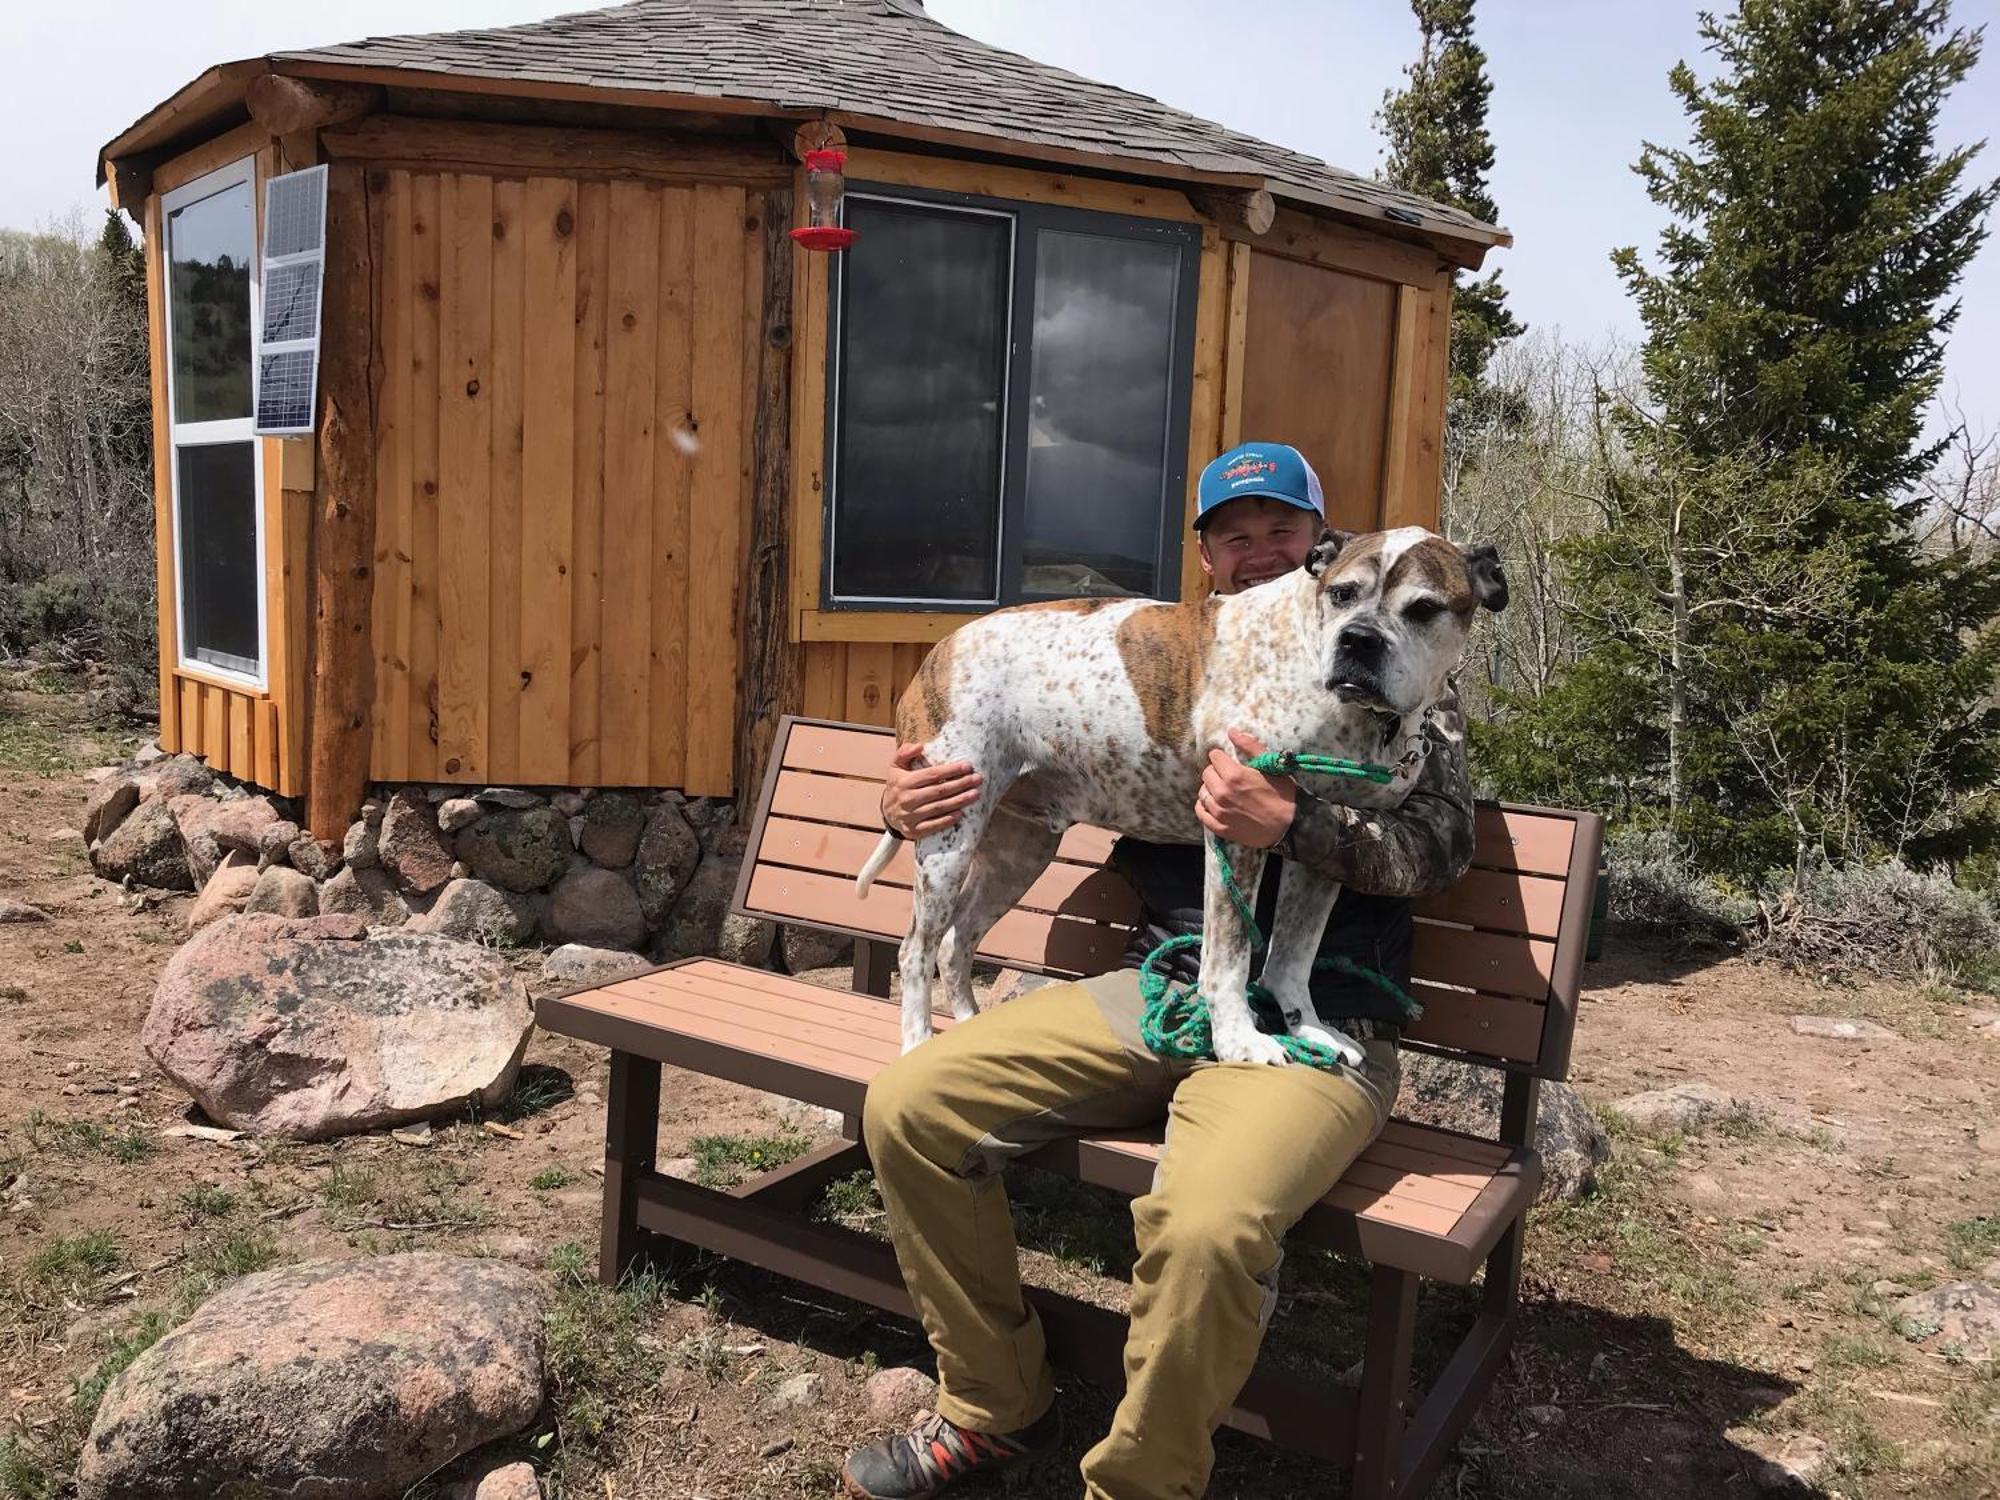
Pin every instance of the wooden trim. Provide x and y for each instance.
(1342, 247)
(213, 93)
(1019, 184)
(772, 671)
(291, 106)
(163, 492)
(1247, 213)
(199, 161)
(897, 627)
(342, 666)
(811, 288)
(1238, 330)
(1206, 393)
(432, 145)
(1413, 447)
(533, 88)
(1586, 851)
(1385, 1385)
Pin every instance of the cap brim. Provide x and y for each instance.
(1257, 494)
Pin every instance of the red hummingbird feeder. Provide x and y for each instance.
(826, 180)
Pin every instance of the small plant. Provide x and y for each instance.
(346, 1188)
(1970, 1243)
(76, 1257)
(599, 1357)
(536, 1088)
(72, 946)
(76, 1138)
(208, 1200)
(851, 1200)
(723, 1161)
(12, 992)
(550, 1178)
(125, 1347)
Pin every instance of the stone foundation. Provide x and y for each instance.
(642, 871)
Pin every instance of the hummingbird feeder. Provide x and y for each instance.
(825, 182)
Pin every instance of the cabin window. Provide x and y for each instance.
(1008, 405)
(211, 237)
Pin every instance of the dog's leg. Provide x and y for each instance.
(943, 861)
(1225, 961)
(1015, 850)
(1305, 901)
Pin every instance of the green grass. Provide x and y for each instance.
(600, 1358)
(1970, 1243)
(26, 1475)
(208, 1200)
(26, 745)
(76, 1257)
(722, 1161)
(72, 946)
(850, 1200)
(550, 1178)
(78, 1138)
(536, 1089)
(125, 1347)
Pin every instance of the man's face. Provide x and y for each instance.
(1253, 540)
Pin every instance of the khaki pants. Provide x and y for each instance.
(1248, 1149)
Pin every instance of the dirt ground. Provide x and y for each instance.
(1719, 1298)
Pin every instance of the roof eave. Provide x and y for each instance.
(210, 97)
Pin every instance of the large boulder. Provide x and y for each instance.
(522, 849)
(147, 848)
(574, 966)
(226, 893)
(20, 911)
(175, 776)
(665, 861)
(806, 950)
(284, 892)
(210, 827)
(1963, 1318)
(110, 801)
(612, 824)
(410, 846)
(1684, 1109)
(365, 893)
(596, 908)
(1465, 1097)
(474, 912)
(339, 1380)
(306, 1030)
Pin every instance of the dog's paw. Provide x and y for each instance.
(915, 1036)
(1338, 1042)
(1248, 1044)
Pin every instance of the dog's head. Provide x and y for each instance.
(1393, 609)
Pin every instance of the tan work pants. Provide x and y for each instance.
(1248, 1149)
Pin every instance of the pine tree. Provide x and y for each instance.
(1817, 685)
(1439, 148)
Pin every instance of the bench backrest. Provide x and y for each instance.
(1496, 961)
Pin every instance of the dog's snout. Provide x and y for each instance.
(1362, 640)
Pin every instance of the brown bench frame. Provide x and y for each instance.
(1393, 1452)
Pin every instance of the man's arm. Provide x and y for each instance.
(1416, 849)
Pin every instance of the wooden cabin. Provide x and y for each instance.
(608, 473)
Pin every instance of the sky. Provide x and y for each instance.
(1578, 85)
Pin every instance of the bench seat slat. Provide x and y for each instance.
(1431, 1192)
(1490, 1025)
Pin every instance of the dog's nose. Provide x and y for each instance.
(1362, 640)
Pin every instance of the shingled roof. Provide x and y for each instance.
(883, 64)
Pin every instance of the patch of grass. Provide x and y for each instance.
(12, 992)
(347, 1188)
(26, 1475)
(26, 745)
(235, 1255)
(722, 1161)
(1970, 1243)
(429, 1200)
(72, 946)
(537, 1088)
(550, 1178)
(1082, 1227)
(78, 1138)
(599, 1357)
(851, 1200)
(125, 1347)
(208, 1200)
(76, 1257)
(1741, 1122)
(1845, 1351)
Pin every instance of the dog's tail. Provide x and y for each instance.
(884, 852)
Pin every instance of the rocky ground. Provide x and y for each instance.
(1725, 1314)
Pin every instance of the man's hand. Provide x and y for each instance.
(1242, 806)
(920, 800)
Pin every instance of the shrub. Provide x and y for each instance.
(1654, 889)
(1886, 919)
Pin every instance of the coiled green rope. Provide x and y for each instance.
(1176, 1023)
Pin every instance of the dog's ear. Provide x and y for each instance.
(1329, 546)
(1489, 582)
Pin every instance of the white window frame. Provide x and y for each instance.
(231, 430)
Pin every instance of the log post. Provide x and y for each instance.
(341, 668)
(771, 679)
(1252, 212)
(286, 106)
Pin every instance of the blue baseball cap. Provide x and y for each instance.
(1274, 471)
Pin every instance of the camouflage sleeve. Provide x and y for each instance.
(1413, 850)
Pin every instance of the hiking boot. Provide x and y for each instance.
(917, 1464)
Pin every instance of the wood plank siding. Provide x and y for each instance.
(562, 477)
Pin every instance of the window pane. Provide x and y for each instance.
(1097, 413)
(218, 554)
(209, 244)
(923, 372)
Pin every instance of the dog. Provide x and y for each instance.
(1104, 711)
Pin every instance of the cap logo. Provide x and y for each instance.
(1245, 468)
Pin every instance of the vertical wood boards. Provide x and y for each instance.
(163, 457)
(565, 467)
(1212, 346)
(1316, 374)
(1412, 463)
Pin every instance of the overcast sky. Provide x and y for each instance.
(1578, 84)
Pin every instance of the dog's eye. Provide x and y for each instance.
(1344, 593)
(1422, 611)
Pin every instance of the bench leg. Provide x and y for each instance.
(631, 1143)
(1383, 1415)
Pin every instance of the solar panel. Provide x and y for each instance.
(294, 269)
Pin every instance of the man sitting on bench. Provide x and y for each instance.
(1249, 1148)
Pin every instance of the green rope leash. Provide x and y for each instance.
(1176, 1023)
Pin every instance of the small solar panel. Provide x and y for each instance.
(294, 270)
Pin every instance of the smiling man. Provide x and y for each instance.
(943, 1120)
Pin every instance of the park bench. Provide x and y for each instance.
(1496, 963)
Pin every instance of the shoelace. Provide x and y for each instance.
(940, 1447)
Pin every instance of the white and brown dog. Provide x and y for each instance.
(1104, 711)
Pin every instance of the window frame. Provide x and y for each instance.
(1027, 220)
(215, 432)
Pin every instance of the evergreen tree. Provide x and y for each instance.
(1816, 685)
(1439, 148)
